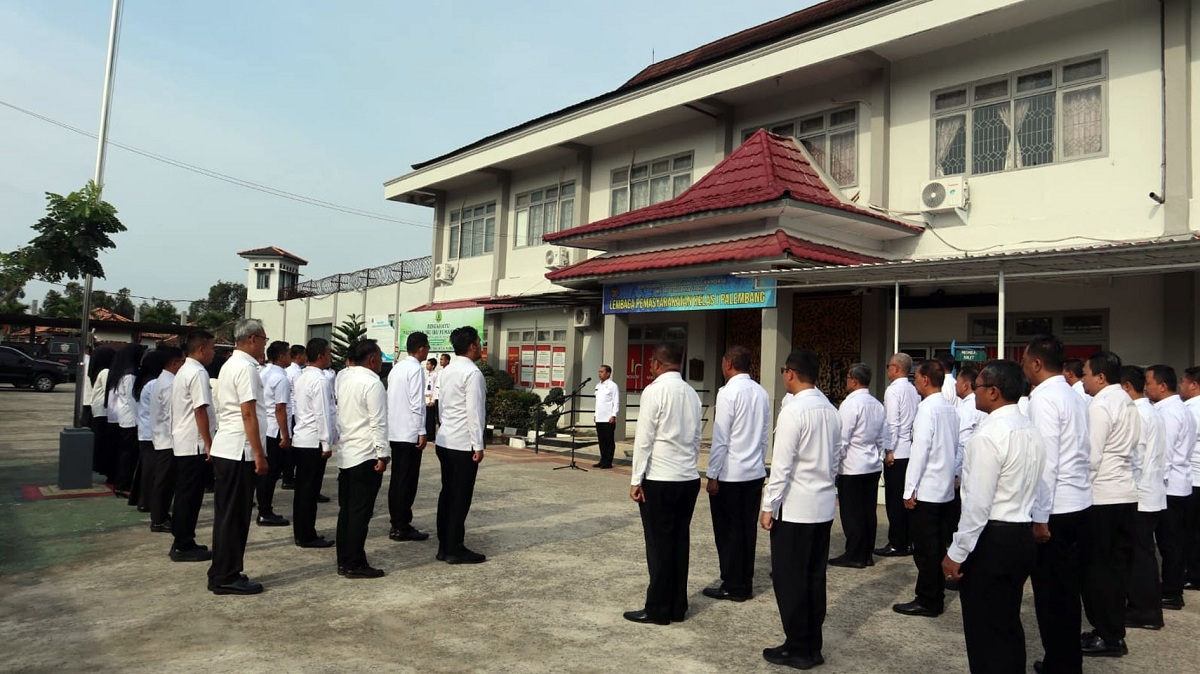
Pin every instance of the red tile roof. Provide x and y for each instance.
(271, 251)
(102, 314)
(766, 168)
(768, 246)
(488, 304)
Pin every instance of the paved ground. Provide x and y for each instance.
(84, 586)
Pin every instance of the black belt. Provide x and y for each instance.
(998, 523)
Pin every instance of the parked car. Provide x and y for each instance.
(21, 371)
(64, 351)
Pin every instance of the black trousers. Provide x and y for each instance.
(893, 498)
(666, 523)
(1171, 536)
(799, 557)
(1143, 603)
(189, 494)
(932, 529)
(141, 480)
(431, 421)
(357, 489)
(127, 444)
(454, 501)
(1056, 582)
(1191, 538)
(402, 486)
(605, 433)
(735, 509)
(857, 497)
(1107, 556)
(160, 487)
(264, 485)
(304, 498)
(993, 583)
(287, 462)
(102, 454)
(233, 492)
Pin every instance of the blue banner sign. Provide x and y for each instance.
(694, 294)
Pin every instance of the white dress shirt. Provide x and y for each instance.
(801, 486)
(126, 406)
(950, 390)
(238, 383)
(190, 391)
(1114, 427)
(462, 400)
(666, 443)
(160, 410)
(1149, 460)
(741, 431)
(1179, 435)
(608, 400)
(405, 401)
(363, 416)
(900, 401)
(1023, 405)
(145, 419)
(930, 474)
(1077, 387)
(292, 371)
(99, 402)
(316, 417)
(787, 399)
(969, 418)
(1002, 470)
(860, 444)
(1193, 406)
(276, 389)
(1060, 415)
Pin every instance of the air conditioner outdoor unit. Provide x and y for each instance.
(444, 273)
(944, 195)
(556, 258)
(582, 318)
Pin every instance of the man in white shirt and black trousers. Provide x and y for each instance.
(900, 402)
(929, 490)
(278, 392)
(1189, 390)
(313, 437)
(1060, 509)
(1179, 435)
(288, 464)
(193, 421)
(993, 551)
(797, 508)
(736, 468)
(462, 398)
(237, 456)
(859, 463)
(608, 403)
(407, 435)
(1114, 427)
(362, 454)
(1143, 595)
(665, 484)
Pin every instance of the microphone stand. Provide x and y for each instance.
(573, 397)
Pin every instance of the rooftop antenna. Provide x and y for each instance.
(652, 61)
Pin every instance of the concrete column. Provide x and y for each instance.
(439, 238)
(1176, 81)
(1179, 318)
(776, 345)
(875, 344)
(500, 245)
(880, 111)
(616, 353)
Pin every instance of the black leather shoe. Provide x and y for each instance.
(781, 655)
(1038, 667)
(196, 554)
(466, 556)
(315, 543)
(239, 586)
(844, 563)
(143, 509)
(597, 465)
(409, 534)
(1143, 626)
(1192, 585)
(273, 520)
(889, 551)
(287, 485)
(1092, 645)
(440, 556)
(722, 593)
(161, 527)
(1173, 603)
(321, 498)
(643, 617)
(361, 572)
(605, 466)
(914, 608)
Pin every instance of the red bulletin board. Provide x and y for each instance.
(513, 364)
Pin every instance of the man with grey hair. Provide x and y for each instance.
(237, 456)
(900, 404)
(859, 461)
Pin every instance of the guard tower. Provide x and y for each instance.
(270, 273)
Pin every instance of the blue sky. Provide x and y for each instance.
(324, 99)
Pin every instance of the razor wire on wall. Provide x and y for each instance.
(404, 271)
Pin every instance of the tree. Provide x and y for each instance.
(161, 311)
(69, 240)
(65, 304)
(346, 336)
(225, 303)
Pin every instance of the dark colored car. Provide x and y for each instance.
(64, 351)
(24, 372)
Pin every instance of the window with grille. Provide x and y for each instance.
(1029, 118)
(262, 279)
(544, 211)
(650, 182)
(831, 138)
(472, 231)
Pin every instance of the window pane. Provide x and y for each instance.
(522, 228)
(812, 124)
(536, 196)
(1083, 122)
(550, 216)
(678, 334)
(477, 238)
(489, 236)
(950, 99)
(620, 201)
(681, 183)
(652, 332)
(543, 335)
(551, 193)
(454, 216)
(641, 195)
(1035, 130)
(535, 224)
(843, 164)
(990, 138)
(490, 208)
(984, 327)
(660, 167)
(620, 176)
(816, 148)
(1034, 326)
(478, 212)
(567, 214)
(1091, 325)
(639, 172)
(784, 129)
(567, 190)
(453, 243)
(950, 145)
(527, 336)
(843, 117)
(1083, 71)
(522, 200)
(682, 163)
(514, 336)
(1038, 80)
(660, 189)
(991, 90)
(560, 335)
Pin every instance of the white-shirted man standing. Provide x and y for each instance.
(859, 463)
(900, 402)
(1143, 594)
(193, 422)
(407, 436)
(462, 399)
(608, 403)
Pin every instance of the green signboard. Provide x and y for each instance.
(966, 354)
(438, 325)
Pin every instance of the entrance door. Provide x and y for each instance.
(831, 326)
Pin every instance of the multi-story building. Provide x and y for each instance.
(856, 177)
